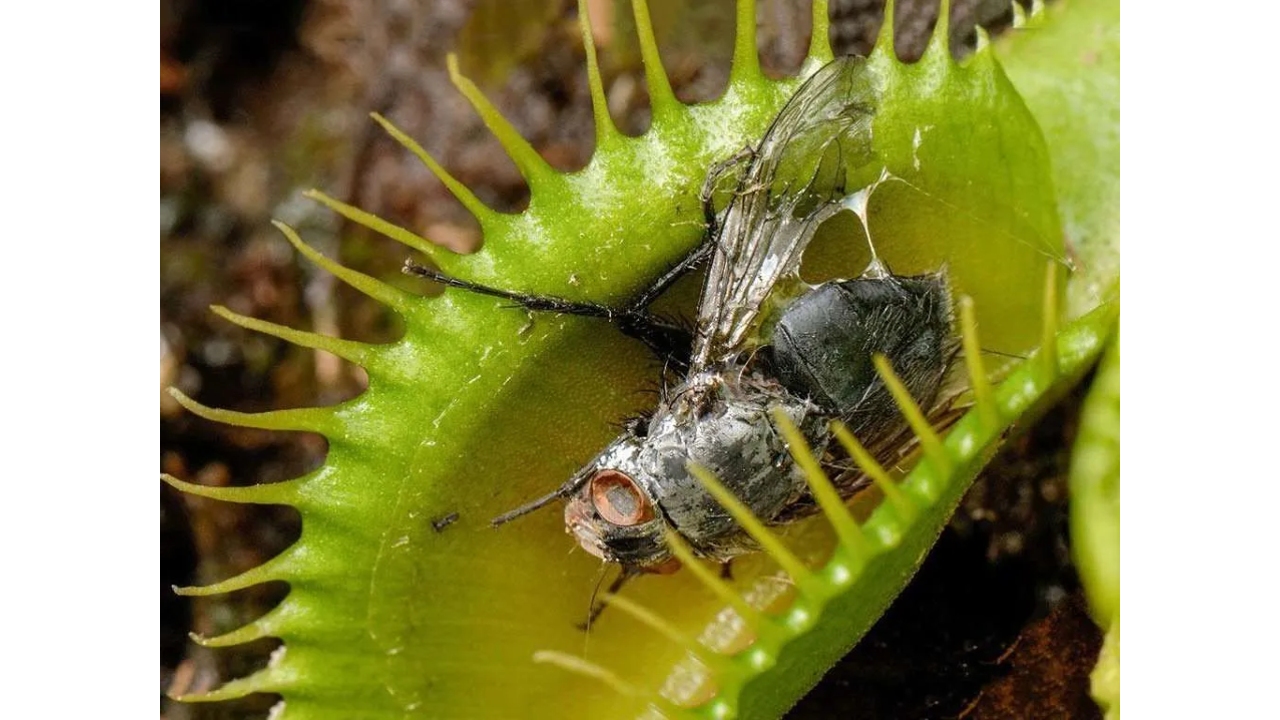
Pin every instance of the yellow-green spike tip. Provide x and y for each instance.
(281, 493)
(388, 295)
(983, 396)
(266, 680)
(820, 37)
(884, 40)
(358, 353)
(940, 41)
(484, 214)
(661, 97)
(586, 668)
(317, 420)
(532, 166)
(752, 617)
(746, 60)
(662, 627)
(376, 224)
(267, 572)
(829, 499)
(1049, 328)
(606, 131)
(874, 470)
(920, 425)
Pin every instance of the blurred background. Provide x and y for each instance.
(260, 101)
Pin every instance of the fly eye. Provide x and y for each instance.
(619, 500)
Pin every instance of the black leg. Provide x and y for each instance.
(665, 339)
(625, 574)
(542, 303)
(700, 253)
(669, 341)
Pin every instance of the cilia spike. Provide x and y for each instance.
(376, 224)
(388, 295)
(746, 58)
(533, 168)
(661, 96)
(484, 214)
(606, 131)
(820, 35)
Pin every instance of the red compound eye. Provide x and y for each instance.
(619, 500)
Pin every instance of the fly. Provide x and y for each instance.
(763, 341)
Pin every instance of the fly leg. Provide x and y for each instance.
(597, 607)
(700, 253)
(663, 337)
(668, 340)
(707, 194)
(672, 342)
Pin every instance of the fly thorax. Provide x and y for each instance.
(697, 395)
(734, 437)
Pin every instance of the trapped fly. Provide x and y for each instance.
(763, 341)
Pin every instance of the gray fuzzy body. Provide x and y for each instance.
(721, 421)
(817, 367)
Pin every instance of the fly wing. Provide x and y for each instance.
(797, 179)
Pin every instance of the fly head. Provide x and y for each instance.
(641, 484)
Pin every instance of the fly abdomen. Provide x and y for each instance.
(823, 343)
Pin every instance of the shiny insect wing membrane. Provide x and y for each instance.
(826, 152)
(931, 213)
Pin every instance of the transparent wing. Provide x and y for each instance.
(796, 180)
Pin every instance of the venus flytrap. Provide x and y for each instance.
(473, 411)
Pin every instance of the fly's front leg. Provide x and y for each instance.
(640, 304)
(537, 303)
(666, 339)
